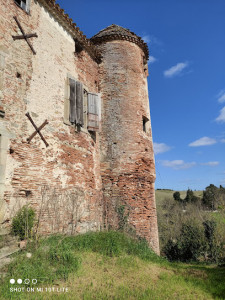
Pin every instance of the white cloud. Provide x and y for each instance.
(175, 70)
(222, 141)
(204, 141)
(160, 148)
(177, 164)
(221, 117)
(151, 59)
(221, 96)
(146, 38)
(210, 163)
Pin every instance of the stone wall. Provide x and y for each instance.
(61, 181)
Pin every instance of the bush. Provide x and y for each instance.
(190, 197)
(23, 222)
(176, 196)
(192, 241)
(190, 244)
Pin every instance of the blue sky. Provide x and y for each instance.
(186, 39)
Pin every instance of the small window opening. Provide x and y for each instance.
(23, 4)
(145, 121)
(144, 61)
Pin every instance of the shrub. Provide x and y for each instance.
(176, 196)
(190, 244)
(192, 241)
(190, 197)
(23, 222)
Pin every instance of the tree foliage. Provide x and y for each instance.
(176, 196)
(190, 197)
(214, 197)
(190, 229)
(23, 222)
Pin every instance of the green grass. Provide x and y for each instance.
(109, 266)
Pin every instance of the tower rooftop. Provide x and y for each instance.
(116, 32)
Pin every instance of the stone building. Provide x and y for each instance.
(75, 131)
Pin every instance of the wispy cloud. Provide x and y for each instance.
(211, 163)
(177, 164)
(204, 141)
(221, 117)
(146, 38)
(160, 148)
(221, 96)
(151, 59)
(151, 39)
(175, 70)
(222, 140)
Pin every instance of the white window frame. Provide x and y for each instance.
(24, 5)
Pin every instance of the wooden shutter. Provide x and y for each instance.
(73, 115)
(79, 103)
(93, 112)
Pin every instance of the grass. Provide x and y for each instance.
(162, 194)
(108, 266)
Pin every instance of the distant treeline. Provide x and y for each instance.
(164, 190)
(212, 199)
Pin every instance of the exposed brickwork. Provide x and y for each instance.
(80, 181)
(127, 161)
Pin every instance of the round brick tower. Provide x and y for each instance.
(127, 158)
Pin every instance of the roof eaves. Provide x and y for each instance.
(59, 14)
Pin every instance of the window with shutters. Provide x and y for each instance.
(82, 108)
(24, 4)
(93, 112)
(73, 108)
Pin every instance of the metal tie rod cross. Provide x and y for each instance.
(24, 36)
(38, 129)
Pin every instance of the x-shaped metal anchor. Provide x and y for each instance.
(24, 36)
(38, 129)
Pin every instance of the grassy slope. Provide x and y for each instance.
(162, 194)
(110, 266)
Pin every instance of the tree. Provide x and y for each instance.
(176, 196)
(190, 197)
(209, 196)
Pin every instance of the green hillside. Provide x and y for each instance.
(162, 194)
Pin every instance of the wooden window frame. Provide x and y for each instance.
(94, 129)
(67, 105)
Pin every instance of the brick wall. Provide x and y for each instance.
(81, 182)
(127, 160)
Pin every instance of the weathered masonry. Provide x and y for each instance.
(75, 131)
